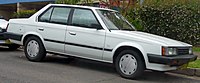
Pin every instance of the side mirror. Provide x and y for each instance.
(96, 26)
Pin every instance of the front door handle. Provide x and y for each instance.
(72, 33)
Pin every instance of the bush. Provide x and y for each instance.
(134, 18)
(23, 13)
(178, 21)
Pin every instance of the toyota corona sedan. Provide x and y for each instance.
(97, 34)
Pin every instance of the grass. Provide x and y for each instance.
(194, 64)
(196, 49)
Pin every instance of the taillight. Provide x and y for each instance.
(163, 51)
(7, 26)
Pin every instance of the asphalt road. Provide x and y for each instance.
(15, 68)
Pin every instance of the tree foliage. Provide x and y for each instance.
(172, 19)
(24, 13)
(72, 2)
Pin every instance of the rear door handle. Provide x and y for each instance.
(41, 29)
(72, 33)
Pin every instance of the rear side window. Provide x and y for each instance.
(84, 18)
(58, 15)
(45, 16)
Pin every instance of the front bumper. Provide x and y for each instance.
(5, 42)
(2, 36)
(2, 42)
(13, 36)
(172, 60)
(3, 39)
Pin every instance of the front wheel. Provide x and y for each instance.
(34, 49)
(129, 64)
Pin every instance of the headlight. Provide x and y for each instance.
(169, 51)
(190, 50)
(1, 29)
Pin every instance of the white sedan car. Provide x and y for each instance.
(3, 40)
(96, 34)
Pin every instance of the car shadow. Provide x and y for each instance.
(6, 49)
(148, 75)
(81, 63)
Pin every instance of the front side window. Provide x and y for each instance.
(84, 18)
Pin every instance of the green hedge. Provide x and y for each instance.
(24, 13)
(177, 21)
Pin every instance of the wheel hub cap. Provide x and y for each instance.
(32, 48)
(128, 64)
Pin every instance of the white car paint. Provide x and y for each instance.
(145, 42)
(3, 23)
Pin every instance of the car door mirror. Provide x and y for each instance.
(96, 26)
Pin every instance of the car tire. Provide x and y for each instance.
(13, 47)
(34, 49)
(129, 64)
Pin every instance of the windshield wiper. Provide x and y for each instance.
(128, 29)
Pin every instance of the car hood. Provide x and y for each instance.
(3, 24)
(150, 38)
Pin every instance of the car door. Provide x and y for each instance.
(52, 26)
(85, 36)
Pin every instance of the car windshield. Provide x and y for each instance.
(114, 20)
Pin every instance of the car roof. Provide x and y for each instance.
(80, 6)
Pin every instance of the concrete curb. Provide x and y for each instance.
(188, 71)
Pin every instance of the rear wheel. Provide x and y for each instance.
(34, 49)
(129, 64)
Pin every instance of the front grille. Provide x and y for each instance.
(183, 51)
(2, 30)
(2, 34)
